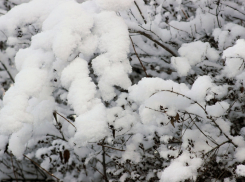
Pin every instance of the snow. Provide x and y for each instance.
(234, 59)
(181, 64)
(77, 59)
(111, 68)
(240, 170)
(17, 141)
(199, 51)
(182, 168)
(114, 5)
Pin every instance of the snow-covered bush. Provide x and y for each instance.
(123, 90)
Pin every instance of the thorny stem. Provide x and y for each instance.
(138, 57)
(41, 167)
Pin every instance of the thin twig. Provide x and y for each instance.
(101, 174)
(178, 29)
(174, 53)
(57, 137)
(185, 97)
(110, 147)
(41, 167)
(103, 162)
(232, 8)
(184, 13)
(208, 137)
(138, 57)
(65, 119)
(217, 147)
(7, 71)
(13, 168)
(208, 117)
(140, 12)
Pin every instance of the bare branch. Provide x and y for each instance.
(13, 167)
(172, 52)
(41, 167)
(138, 57)
(4, 66)
(140, 12)
(110, 147)
(65, 119)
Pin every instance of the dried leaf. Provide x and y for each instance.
(172, 121)
(55, 116)
(241, 89)
(66, 155)
(113, 132)
(61, 157)
(177, 117)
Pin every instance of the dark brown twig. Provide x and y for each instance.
(110, 147)
(101, 174)
(174, 53)
(103, 162)
(232, 8)
(208, 117)
(65, 119)
(10, 76)
(184, 13)
(138, 57)
(13, 168)
(41, 167)
(140, 12)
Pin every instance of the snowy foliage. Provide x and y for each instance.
(122, 90)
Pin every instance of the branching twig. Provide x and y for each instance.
(13, 167)
(41, 167)
(174, 53)
(57, 137)
(208, 117)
